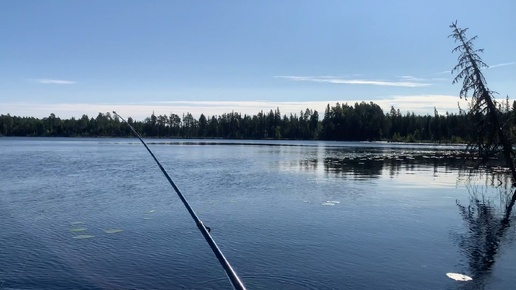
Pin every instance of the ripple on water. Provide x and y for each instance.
(267, 282)
(77, 223)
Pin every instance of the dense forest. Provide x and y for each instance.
(360, 122)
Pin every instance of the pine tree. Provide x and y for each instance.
(490, 137)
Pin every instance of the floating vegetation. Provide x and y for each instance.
(77, 229)
(112, 231)
(458, 277)
(80, 237)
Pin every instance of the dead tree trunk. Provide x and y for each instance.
(490, 137)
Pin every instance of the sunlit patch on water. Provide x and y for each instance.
(458, 277)
(81, 237)
(331, 202)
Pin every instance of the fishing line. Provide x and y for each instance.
(230, 273)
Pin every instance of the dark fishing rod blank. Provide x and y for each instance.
(231, 274)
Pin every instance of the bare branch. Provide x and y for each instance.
(489, 139)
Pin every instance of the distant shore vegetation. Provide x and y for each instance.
(341, 122)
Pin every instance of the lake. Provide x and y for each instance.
(99, 214)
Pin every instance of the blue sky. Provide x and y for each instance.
(137, 57)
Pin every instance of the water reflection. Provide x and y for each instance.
(487, 219)
(366, 163)
(486, 214)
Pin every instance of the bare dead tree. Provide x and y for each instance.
(490, 135)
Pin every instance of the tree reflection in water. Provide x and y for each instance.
(487, 219)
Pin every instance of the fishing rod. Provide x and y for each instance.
(205, 231)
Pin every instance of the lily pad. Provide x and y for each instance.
(112, 231)
(80, 237)
(458, 277)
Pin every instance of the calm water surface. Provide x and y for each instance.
(98, 214)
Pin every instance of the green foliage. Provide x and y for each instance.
(360, 122)
(363, 121)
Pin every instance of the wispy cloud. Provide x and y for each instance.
(502, 64)
(491, 66)
(54, 82)
(410, 83)
(443, 72)
(423, 80)
(412, 78)
(440, 79)
(421, 104)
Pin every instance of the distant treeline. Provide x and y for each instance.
(360, 122)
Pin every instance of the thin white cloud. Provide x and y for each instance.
(443, 72)
(422, 104)
(491, 66)
(419, 104)
(54, 82)
(412, 78)
(338, 80)
(440, 79)
(502, 64)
